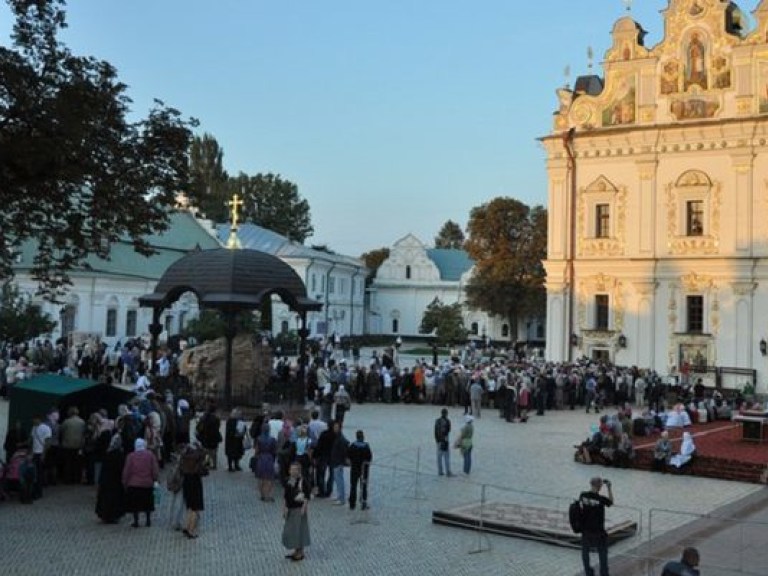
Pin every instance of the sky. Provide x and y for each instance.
(391, 116)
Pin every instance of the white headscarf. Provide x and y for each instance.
(139, 445)
(688, 447)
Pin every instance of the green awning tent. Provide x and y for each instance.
(37, 395)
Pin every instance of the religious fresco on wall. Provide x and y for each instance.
(670, 77)
(721, 73)
(762, 87)
(693, 108)
(696, 63)
(622, 109)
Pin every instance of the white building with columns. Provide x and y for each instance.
(658, 192)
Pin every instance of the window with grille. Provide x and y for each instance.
(111, 328)
(695, 313)
(694, 210)
(601, 312)
(602, 221)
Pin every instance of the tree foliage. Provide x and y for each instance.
(373, 260)
(268, 200)
(508, 241)
(445, 320)
(274, 204)
(20, 319)
(450, 236)
(210, 325)
(75, 174)
(209, 182)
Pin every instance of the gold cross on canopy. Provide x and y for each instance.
(234, 204)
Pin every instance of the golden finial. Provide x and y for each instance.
(233, 241)
(628, 5)
(590, 57)
(567, 74)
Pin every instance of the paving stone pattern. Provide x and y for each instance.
(530, 464)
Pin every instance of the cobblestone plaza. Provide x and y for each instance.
(527, 463)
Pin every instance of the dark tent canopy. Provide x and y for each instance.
(34, 397)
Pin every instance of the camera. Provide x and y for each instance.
(606, 482)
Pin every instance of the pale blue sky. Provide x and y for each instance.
(392, 116)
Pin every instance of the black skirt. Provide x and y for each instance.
(192, 489)
(139, 499)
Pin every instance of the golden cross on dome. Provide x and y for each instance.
(234, 204)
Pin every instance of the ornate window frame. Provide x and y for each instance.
(601, 191)
(693, 185)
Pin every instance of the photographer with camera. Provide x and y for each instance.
(593, 535)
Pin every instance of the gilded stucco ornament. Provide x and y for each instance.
(693, 184)
(614, 245)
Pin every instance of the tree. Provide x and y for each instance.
(450, 236)
(508, 241)
(75, 175)
(209, 182)
(275, 204)
(210, 325)
(20, 319)
(445, 321)
(373, 260)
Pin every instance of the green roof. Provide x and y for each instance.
(451, 262)
(55, 384)
(184, 233)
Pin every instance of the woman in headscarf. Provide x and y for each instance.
(110, 499)
(234, 435)
(263, 464)
(193, 468)
(140, 473)
(296, 502)
(687, 450)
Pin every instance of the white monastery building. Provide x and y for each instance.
(658, 200)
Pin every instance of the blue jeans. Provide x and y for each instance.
(467, 460)
(443, 456)
(600, 542)
(338, 479)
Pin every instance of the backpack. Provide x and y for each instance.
(576, 516)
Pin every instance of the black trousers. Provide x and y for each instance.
(358, 476)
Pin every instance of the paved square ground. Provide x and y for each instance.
(525, 463)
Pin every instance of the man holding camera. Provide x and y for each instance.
(593, 533)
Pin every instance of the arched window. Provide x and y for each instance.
(474, 328)
(395, 325)
(408, 272)
(505, 330)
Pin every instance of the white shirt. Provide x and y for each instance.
(40, 434)
(275, 427)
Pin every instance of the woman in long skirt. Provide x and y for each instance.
(296, 503)
(193, 468)
(140, 472)
(263, 465)
(110, 500)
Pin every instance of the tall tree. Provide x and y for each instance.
(508, 241)
(20, 319)
(450, 236)
(75, 174)
(373, 260)
(209, 182)
(275, 204)
(445, 320)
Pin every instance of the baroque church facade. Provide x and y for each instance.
(658, 197)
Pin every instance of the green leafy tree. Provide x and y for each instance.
(209, 182)
(508, 242)
(450, 236)
(275, 204)
(210, 325)
(20, 319)
(373, 260)
(75, 174)
(445, 320)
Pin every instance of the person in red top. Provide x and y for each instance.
(140, 473)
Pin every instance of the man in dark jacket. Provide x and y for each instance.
(337, 461)
(688, 565)
(321, 455)
(208, 432)
(359, 455)
(593, 533)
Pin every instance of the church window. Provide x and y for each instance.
(182, 320)
(313, 282)
(601, 312)
(395, 325)
(407, 272)
(695, 313)
(474, 328)
(342, 286)
(168, 323)
(68, 319)
(505, 330)
(331, 285)
(602, 220)
(130, 323)
(694, 217)
(111, 328)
